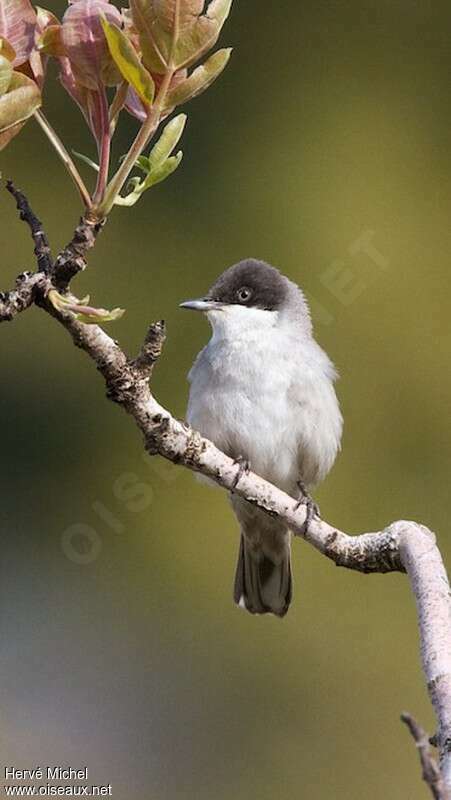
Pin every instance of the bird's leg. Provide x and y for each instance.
(312, 508)
(243, 467)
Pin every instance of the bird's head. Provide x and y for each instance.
(251, 294)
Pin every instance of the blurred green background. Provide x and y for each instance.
(121, 647)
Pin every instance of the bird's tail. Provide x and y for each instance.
(263, 581)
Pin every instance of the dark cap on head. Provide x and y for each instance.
(251, 283)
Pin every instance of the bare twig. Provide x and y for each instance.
(23, 296)
(402, 546)
(42, 247)
(151, 350)
(430, 769)
(72, 259)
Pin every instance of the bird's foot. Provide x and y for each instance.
(312, 508)
(243, 468)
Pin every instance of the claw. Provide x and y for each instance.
(243, 467)
(312, 508)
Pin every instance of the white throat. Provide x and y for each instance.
(234, 322)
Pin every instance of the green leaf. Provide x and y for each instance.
(156, 176)
(87, 160)
(7, 50)
(167, 141)
(142, 162)
(17, 105)
(199, 80)
(98, 316)
(80, 311)
(126, 59)
(6, 73)
(163, 171)
(158, 165)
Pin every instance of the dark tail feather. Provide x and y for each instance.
(262, 586)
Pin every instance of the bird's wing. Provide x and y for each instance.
(318, 421)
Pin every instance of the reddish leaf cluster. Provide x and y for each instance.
(145, 51)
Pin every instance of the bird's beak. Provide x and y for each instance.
(203, 304)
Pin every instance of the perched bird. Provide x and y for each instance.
(263, 391)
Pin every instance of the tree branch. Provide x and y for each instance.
(42, 247)
(72, 258)
(33, 287)
(431, 772)
(430, 583)
(151, 350)
(401, 547)
(23, 296)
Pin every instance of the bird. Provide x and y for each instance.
(262, 390)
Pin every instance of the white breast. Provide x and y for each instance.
(264, 391)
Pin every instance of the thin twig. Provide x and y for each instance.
(42, 247)
(72, 259)
(64, 156)
(430, 770)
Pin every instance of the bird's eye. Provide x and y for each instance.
(244, 294)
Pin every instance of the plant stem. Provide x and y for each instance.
(104, 146)
(145, 133)
(65, 157)
(117, 105)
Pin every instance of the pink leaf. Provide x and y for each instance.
(85, 44)
(78, 93)
(17, 25)
(184, 37)
(134, 105)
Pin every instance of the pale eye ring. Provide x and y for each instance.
(244, 294)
